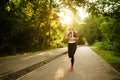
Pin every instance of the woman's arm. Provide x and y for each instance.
(67, 36)
(76, 37)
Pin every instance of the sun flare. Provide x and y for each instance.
(82, 13)
(66, 20)
(65, 16)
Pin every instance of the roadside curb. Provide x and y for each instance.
(20, 73)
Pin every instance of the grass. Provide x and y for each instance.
(109, 57)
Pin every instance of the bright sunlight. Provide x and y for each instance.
(66, 15)
(82, 13)
(66, 20)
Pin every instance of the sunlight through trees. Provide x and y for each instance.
(38, 24)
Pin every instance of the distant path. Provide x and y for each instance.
(88, 66)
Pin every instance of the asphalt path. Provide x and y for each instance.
(13, 64)
(88, 66)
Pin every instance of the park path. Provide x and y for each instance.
(14, 64)
(88, 66)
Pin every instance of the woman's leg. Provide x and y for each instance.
(73, 49)
(72, 61)
(73, 52)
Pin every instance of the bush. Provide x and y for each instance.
(104, 45)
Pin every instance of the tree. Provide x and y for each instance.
(28, 26)
(111, 11)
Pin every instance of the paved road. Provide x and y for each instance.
(15, 63)
(88, 66)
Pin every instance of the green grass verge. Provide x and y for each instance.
(109, 57)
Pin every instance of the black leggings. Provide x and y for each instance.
(72, 61)
(71, 51)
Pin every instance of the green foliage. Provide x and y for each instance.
(110, 10)
(91, 30)
(34, 25)
(116, 37)
(29, 26)
(79, 29)
(103, 45)
(109, 56)
(107, 28)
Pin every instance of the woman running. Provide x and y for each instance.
(71, 37)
